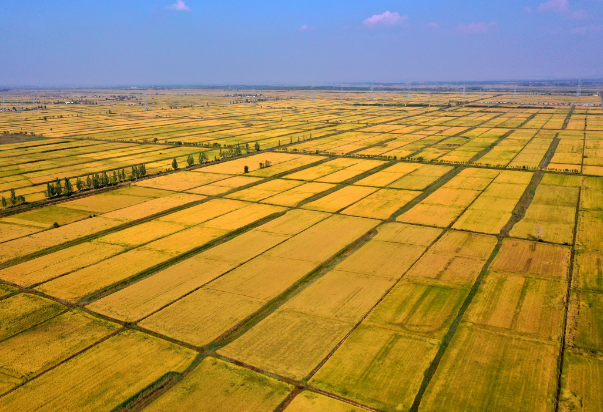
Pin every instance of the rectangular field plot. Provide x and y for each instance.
(522, 371)
(533, 258)
(336, 171)
(528, 306)
(225, 185)
(23, 311)
(492, 209)
(293, 197)
(588, 270)
(102, 377)
(340, 199)
(378, 368)
(587, 327)
(447, 203)
(59, 263)
(381, 204)
(288, 343)
(183, 180)
(310, 401)
(551, 215)
(22, 356)
(265, 190)
(581, 383)
(280, 163)
(218, 386)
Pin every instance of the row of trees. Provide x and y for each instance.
(95, 181)
(190, 160)
(13, 200)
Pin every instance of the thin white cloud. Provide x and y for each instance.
(556, 6)
(527, 10)
(580, 15)
(434, 26)
(476, 28)
(179, 6)
(305, 27)
(385, 19)
(587, 29)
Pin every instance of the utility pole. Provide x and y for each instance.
(579, 91)
(515, 92)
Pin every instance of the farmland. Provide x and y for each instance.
(288, 251)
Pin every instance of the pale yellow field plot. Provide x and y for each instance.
(532, 258)
(218, 386)
(58, 263)
(182, 180)
(581, 383)
(22, 356)
(340, 199)
(22, 311)
(265, 190)
(298, 194)
(528, 306)
(288, 343)
(76, 285)
(102, 377)
(480, 360)
(381, 204)
(378, 368)
(310, 401)
(226, 185)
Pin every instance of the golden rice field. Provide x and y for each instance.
(306, 254)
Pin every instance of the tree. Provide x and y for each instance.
(68, 187)
(114, 178)
(246, 169)
(135, 172)
(202, 158)
(190, 160)
(79, 184)
(143, 170)
(88, 182)
(257, 147)
(105, 180)
(175, 164)
(20, 199)
(49, 190)
(4, 204)
(13, 197)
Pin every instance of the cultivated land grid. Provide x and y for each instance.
(521, 206)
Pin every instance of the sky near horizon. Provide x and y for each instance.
(195, 42)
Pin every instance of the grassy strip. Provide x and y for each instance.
(549, 154)
(563, 345)
(569, 116)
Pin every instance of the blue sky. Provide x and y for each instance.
(180, 42)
